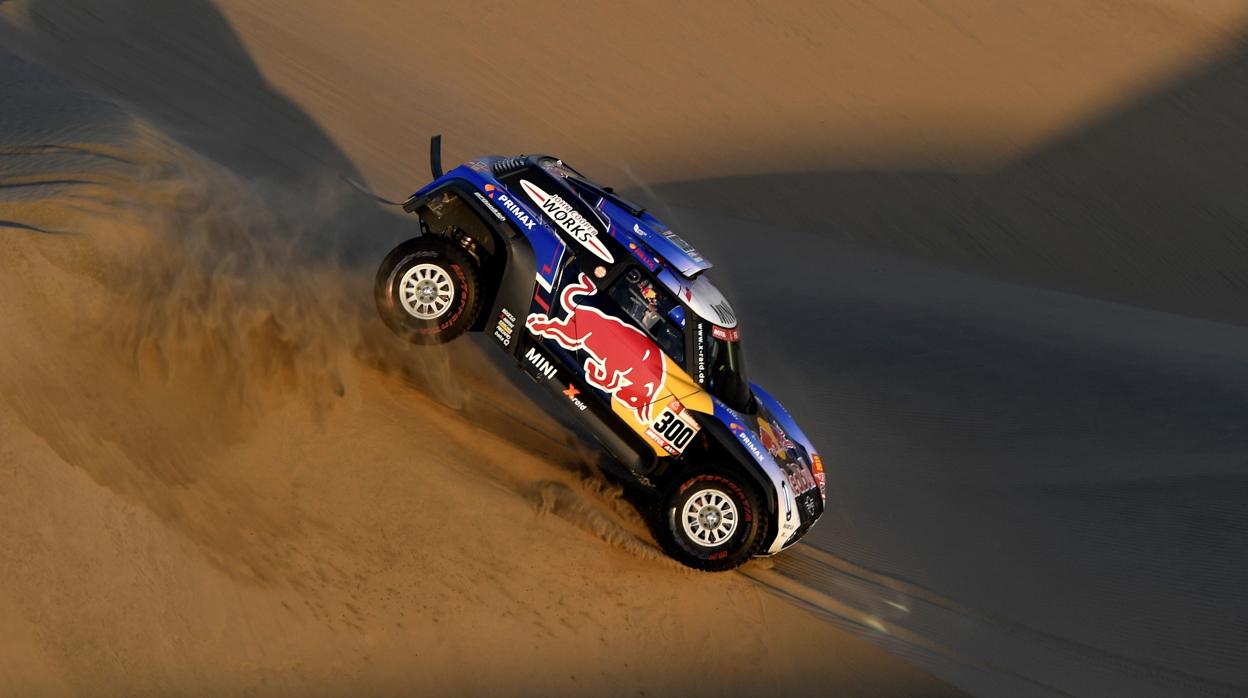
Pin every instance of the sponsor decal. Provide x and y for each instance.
(497, 194)
(571, 394)
(640, 253)
(620, 359)
(506, 323)
(700, 339)
(486, 202)
(800, 479)
(785, 442)
(727, 334)
(780, 446)
(809, 504)
(743, 435)
(541, 363)
(673, 429)
(820, 478)
(724, 312)
(568, 219)
(774, 439)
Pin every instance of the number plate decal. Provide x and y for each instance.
(674, 428)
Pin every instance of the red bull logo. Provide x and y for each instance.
(621, 360)
(773, 437)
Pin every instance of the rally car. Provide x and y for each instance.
(601, 303)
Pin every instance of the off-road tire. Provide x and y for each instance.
(430, 253)
(745, 540)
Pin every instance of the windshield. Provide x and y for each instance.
(724, 375)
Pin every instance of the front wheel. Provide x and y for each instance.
(711, 520)
(427, 290)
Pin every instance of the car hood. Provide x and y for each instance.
(787, 444)
(784, 453)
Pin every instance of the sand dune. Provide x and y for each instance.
(220, 474)
(224, 476)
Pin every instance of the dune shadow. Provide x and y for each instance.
(1143, 205)
(184, 67)
(1061, 462)
(15, 225)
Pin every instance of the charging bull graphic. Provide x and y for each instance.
(622, 360)
(774, 439)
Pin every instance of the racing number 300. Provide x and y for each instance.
(676, 431)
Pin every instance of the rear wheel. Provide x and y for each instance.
(427, 290)
(711, 520)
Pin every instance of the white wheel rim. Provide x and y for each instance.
(709, 518)
(426, 291)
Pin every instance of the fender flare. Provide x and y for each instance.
(780, 503)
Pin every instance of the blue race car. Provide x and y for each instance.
(601, 303)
